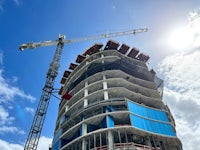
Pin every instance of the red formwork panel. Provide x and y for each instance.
(63, 80)
(66, 73)
(143, 57)
(72, 66)
(124, 48)
(133, 53)
(80, 58)
(93, 49)
(111, 45)
(60, 91)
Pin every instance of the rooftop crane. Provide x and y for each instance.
(37, 124)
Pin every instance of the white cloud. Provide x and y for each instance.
(182, 88)
(10, 129)
(189, 135)
(4, 117)
(182, 74)
(4, 145)
(186, 113)
(43, 144)
(194, 18)
(7, 95)
(182, 94)
(29, 110)
(8, 92)
(186, 37)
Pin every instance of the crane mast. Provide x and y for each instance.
(37, 124)
(35, 131)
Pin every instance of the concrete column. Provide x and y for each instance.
(94, 141)
(85, 103)
(102, 56)
(83, 144)
(86, 83)
(100, 140)
(164, 145)
(148, 142)
(119, 135)
(110, 140)
(84, 125)
(66, 108)
(105, 95)
(154, 141)
(105, 87)
(84, 132)
(85, 94)
(84, 129)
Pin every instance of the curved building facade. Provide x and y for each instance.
(112, 101)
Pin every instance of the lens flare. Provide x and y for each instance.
(182, 38)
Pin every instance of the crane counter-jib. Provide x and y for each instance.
(37, 44)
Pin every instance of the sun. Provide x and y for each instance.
(181, 38)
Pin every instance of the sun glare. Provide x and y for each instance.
(181, 38)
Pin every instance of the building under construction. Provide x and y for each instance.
(112, 101)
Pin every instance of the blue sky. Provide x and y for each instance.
(22, 74)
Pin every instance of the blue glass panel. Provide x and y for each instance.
(170, 130)
(141, 123)
(137, 109)
(152, 126)
(162, 128)
(91, 127)
(55, 146)
(155, 126)
(56, 137)
(147, 112)
(109, 108)
(157, 115)
(80, 130)
(63, 142)
(110, 121)
(148, 124)
(104, 123)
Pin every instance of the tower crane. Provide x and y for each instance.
(37, 124)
